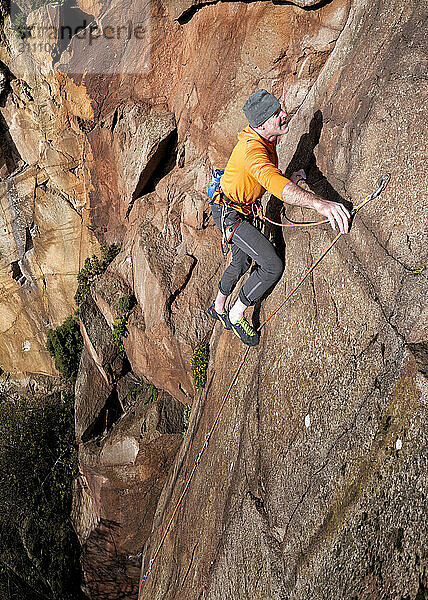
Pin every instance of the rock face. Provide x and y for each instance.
(312, 484)
(128, 436)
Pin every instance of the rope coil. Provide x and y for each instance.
(381, 185)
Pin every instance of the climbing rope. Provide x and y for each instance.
(380, 186)
(259, 214)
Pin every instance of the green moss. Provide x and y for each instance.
(142, 387)
(199, 365)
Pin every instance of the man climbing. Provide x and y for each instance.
(251, 170)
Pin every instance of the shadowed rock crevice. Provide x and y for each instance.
(10, 158)
(420, 352)
(29, 245)
(108, 416)
(171, 414)
(17, 274)
(159, 165)
(72, 20)
(187, 15)
(304, 158)
(190, 265)
(6, 76)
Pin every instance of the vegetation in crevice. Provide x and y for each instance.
(199, 364)
(143, 387)
(186, 419)
(92, 268)
(120, 330)
(65, 343)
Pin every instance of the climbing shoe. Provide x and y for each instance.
(222, 317)
(245, 332)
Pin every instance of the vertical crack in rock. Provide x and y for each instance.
(28, 239)
(190, 564)
(115, 119)
(333, 301)
(312, 279)
(170, 301)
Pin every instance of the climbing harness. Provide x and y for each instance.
(227, 232)
(380, 186)
(215, 190)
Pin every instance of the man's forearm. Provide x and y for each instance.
(293, 194)
(334, 211)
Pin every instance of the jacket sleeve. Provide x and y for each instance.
(260, 166)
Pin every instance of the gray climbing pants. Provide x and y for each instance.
(247, 244)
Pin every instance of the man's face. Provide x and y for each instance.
(276, 124)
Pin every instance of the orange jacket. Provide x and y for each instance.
(251, 170)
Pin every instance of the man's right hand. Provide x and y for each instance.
(335, 213)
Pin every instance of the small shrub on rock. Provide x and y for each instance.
(65, 345)
(142, 387)
(92, 268)
(199, 365)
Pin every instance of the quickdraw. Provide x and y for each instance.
(381, 185)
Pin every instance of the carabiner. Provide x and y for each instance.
(382, 182)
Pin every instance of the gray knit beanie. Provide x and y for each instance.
(259, 107)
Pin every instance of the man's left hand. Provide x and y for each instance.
(298, 176)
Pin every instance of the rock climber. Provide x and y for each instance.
(251, 170)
